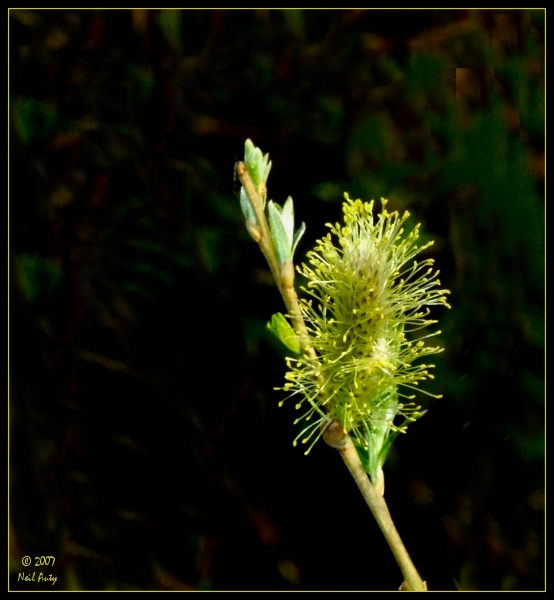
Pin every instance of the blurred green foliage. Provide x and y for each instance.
(146, 447)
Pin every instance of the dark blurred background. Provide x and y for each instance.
(147, 450)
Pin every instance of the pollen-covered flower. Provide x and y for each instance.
(366, 312)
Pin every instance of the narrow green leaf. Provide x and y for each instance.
(299, 233)
(246, 207)
(257, 164)
(287, 218)
(282, 330)
(279, 233)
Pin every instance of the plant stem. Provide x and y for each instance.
(291, 302)
(336, 437)
(283, 275)
(334, 434)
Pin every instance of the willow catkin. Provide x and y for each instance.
(366, 308)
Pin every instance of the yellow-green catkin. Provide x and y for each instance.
(366, 310)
